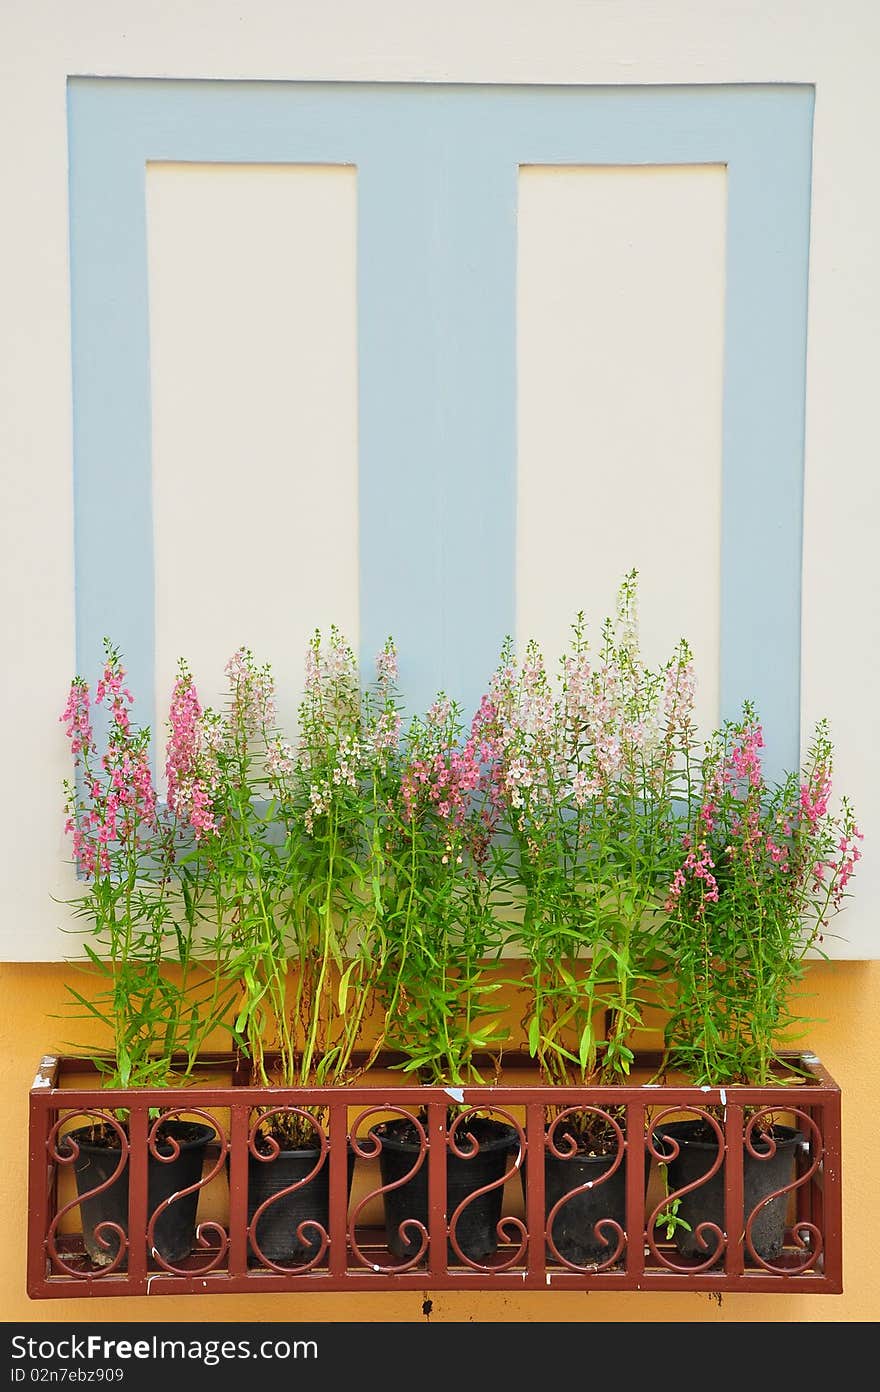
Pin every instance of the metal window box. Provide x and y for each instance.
(352, 1252)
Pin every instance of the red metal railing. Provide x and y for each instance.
(357, 1245)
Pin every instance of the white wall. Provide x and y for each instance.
(618, 41)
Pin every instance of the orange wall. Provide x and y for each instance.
(844, 995)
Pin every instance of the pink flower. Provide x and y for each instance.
(94, 824)
(815, 795)
(189, 792)
(850, 854)
(77, 719)
(699, 864)
(744, 756)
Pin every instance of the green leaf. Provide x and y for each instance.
(344, 981)
(124, 1065)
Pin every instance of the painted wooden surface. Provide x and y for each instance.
(439, 468)
(620, 318)
(253, 384)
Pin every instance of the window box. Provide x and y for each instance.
(351, 1252)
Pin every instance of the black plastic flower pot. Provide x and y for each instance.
(293, 1227)
(589, 1225)
(178, 1166)
(765, 1175)
(476, 1229)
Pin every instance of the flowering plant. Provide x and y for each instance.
(330, 793)
(230, 868)
(139, 924)
(440, 929)
(763, 868)
(591, 777)
(367, 875)
(352, 868)
(283, 858)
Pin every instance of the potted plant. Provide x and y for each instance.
(145, 982)
(591, 775)
(355, 889)
(286, 861)
(763, 868)
(441, 936)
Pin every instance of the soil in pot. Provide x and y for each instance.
(476, 1230)
(98, 1158)
(276, 1229)
(698, 1147)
